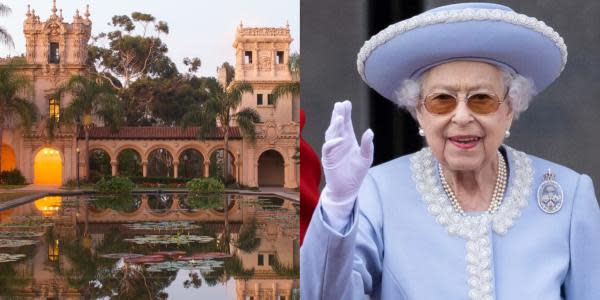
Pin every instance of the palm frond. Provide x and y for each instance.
(4, 10)
(235, 92)
(290, 88)
(5, 38)
(247, 119)
(27, 112)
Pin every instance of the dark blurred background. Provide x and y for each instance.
(562, 123)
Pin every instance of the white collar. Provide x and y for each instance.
(425, 176)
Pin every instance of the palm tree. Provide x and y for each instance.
(5, 37)
(220, 107)
(12, 86)
(293, 87)
(91, 97)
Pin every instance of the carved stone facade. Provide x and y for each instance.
(57, 50)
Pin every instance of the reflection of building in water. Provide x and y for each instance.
(276, 227)
(278, 233)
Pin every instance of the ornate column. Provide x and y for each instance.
(113, 165)
(206, 167)
(175, 169)
(144, 168)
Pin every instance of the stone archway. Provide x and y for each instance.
(9, 161)
(191, 164)
(129, 162)
(47, 167)
(216, 165)
(99, 164)
(160, 163)
(271, 169)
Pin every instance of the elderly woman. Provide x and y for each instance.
(466, 217)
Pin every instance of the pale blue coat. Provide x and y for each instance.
(396, 248)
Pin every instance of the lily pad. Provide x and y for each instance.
(121, 255)
(6, 257)
(200, 265)
(6, 243)
(170, 239)
(206, 255)
(146, 259)
(170, 253)
(167, 225)
(20, 234)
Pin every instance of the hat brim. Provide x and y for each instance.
(527, 46)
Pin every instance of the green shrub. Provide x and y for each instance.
(205, 185)
(12, 177)
(205, 193)
(158, 179)
(115, 185)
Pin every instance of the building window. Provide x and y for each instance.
(249, 298)
(248, 57)
(259, 99)
(270, 99)
(279, 57)
(54, 112)
(271, 259)
(261, 260)
(280, 297)
(53, 56)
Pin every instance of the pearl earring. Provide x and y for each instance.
(421, 131)
(506, 133)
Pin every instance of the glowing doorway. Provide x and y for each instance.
(47, 167)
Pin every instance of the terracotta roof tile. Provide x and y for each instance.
(146, 133)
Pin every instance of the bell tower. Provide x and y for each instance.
(55, 50)
(55, 42)
(262, 53)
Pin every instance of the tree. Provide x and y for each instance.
(5, 37)
(220, 108)
(12, 86)
(131, 55)
(91, 97)
(292, 88)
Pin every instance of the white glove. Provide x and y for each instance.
(345, 165)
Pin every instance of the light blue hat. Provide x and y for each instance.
(486, 32)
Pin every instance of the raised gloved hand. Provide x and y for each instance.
(345, 165)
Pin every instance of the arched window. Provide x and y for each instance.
(54, 106)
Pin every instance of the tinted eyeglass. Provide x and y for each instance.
(479, 103)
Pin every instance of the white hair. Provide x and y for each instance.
(520, 92)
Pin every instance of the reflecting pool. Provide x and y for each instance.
(150, 246)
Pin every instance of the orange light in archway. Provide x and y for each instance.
(47, 167)
(48, 205)
(8, 158)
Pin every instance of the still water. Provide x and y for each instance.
(150, 246)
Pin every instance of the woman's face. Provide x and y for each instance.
(461, 139)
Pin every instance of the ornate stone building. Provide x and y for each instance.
(56, 50)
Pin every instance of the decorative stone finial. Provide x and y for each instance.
(77, 16)
(54, 7)
(287, 24)
(28, 14)
(60, 13)
(241, 24)
(87, 12)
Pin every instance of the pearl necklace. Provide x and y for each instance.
(497, 195)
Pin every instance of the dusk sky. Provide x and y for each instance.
(203, 29)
